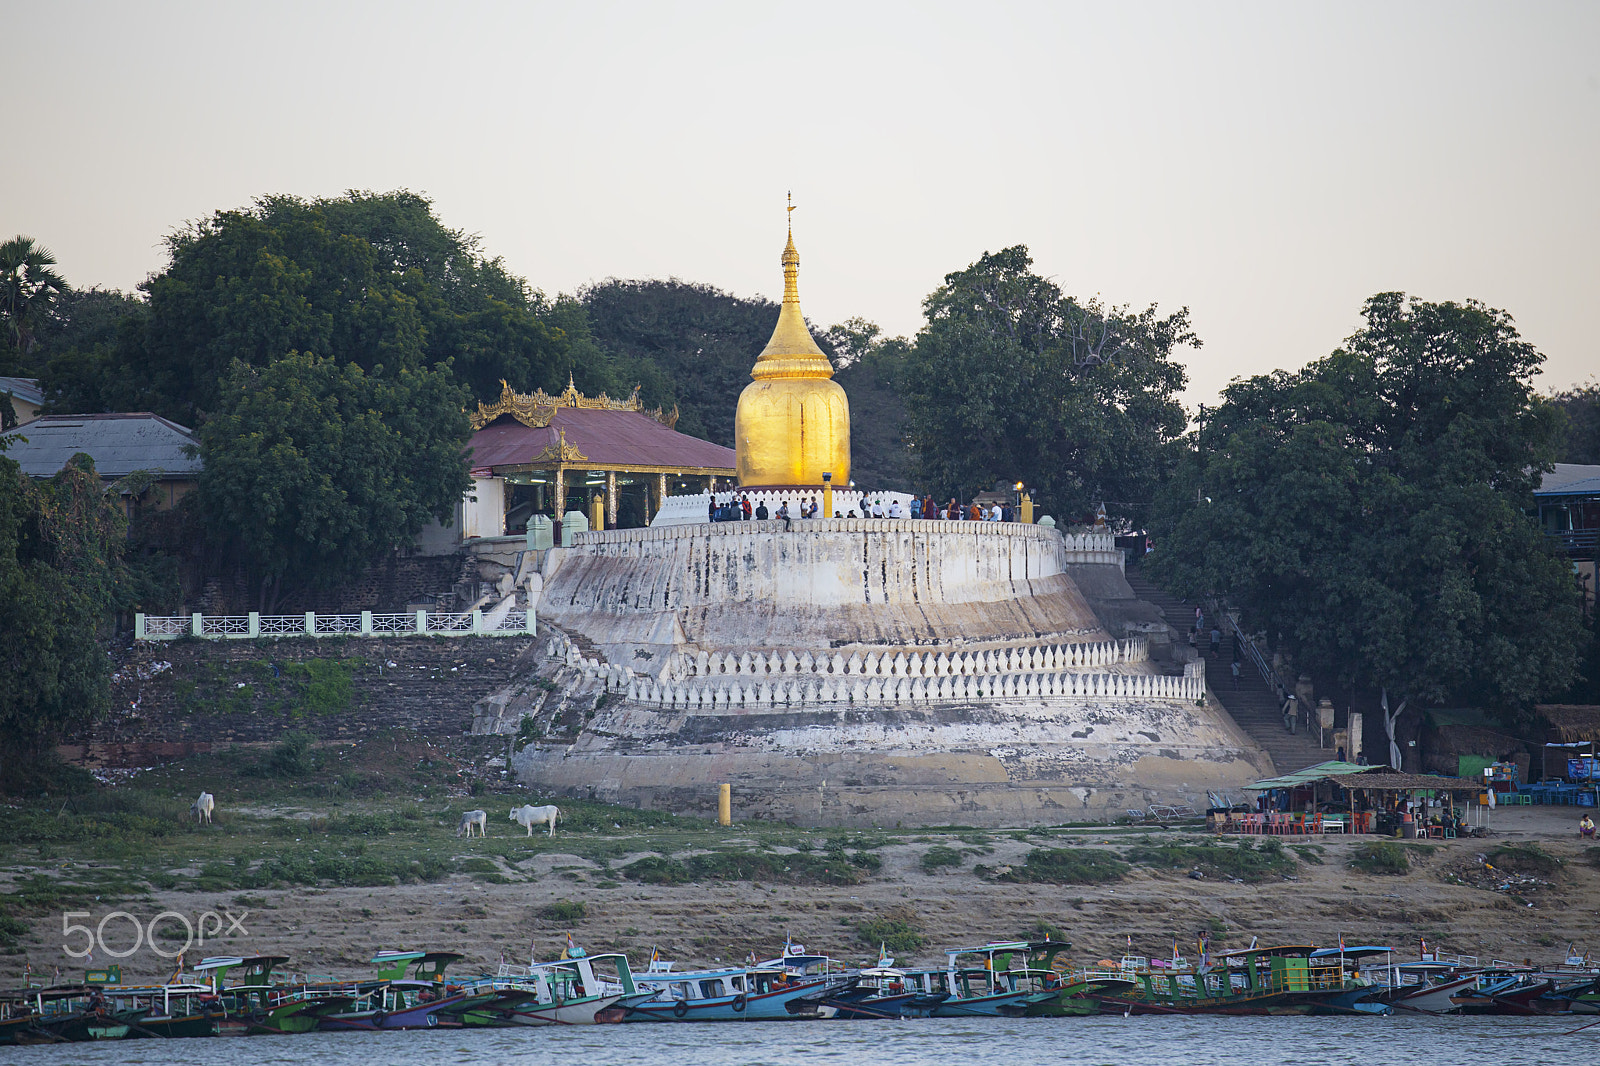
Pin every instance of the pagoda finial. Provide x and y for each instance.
(791, 263)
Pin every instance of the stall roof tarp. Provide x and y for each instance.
(1319, 772)
(1392, 782)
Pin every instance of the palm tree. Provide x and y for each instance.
(27, 288)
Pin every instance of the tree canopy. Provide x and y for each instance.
(1367, 512)
(1012, 380)
(315, 468)
(364, 279)
(1581, 406)
(29, 287)
(61, 577)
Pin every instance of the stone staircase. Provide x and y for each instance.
(1252, 704)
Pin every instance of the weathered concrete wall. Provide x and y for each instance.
(1002, 762)
(826, 583)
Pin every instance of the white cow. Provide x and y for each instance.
(203, 807)
(528, 817)
(473, 818)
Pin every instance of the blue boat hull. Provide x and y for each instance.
(768, 1006)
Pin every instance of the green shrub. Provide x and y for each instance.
(293, 756)
(563, 910)
(12, 930)
(896, 930)
(1523, 859)
(830, 868)
(1381, 857)
(939, 857)
(1068, 866)
(1241, 861)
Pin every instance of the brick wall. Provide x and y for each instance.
(213, 694)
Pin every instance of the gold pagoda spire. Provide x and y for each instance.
(792, 425)
(791, 353)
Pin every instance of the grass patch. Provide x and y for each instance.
(830, 868)
(897, 930)
(564, 910)
(1241, 861)
(939, 858)
(1381, 858)
(1068, 866)
(1525, 859)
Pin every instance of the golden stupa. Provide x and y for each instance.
(793, 420)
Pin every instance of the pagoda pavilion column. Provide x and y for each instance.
(661, 492)
(561, 492)
(611, 499)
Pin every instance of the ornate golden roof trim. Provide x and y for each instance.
(536, 409)
(560, 451)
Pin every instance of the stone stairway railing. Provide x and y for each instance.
(706, 694)
(730, 691)
(1036, 658)
(495, 622)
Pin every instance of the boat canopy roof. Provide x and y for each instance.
(1352, 951)
(218, 962)
(1281, 949)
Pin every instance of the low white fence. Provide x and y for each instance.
(712, 693)
(1034, 658)
(708, 695)
(253, 626)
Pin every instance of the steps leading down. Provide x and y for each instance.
(1251, 704)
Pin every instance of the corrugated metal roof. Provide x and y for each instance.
(1314, 773)
(23, 389)
(1570, 479)
(118, 443)
(605, 438)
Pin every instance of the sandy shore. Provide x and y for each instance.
(1447, 897)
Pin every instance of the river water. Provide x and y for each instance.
(1413, 1040)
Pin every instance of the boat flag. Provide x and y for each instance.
(177, 972)
(566, 952)
(1424, 944)
(1341, 943)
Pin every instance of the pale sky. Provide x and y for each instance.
(1269, 165)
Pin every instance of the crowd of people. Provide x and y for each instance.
(738, 507)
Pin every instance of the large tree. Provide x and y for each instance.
(362, 279)
(1581, 441)
(314, 468)
(1012, 380)
(1368, 512)
(29, 286)
(61, 579)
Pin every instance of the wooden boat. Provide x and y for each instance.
(66, 1014)
(579, 990)
(882, 991)
(796, 985)
(395, 1001)
(1503, 992)
(993, 989)
(175, 1010)
(1427, 987)
(257, 1005)
(1277, 979)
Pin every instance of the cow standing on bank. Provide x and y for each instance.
(202, 808)
(529, 816)
(473, 818)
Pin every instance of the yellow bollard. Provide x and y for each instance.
(724, 804)
(1027, 508)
